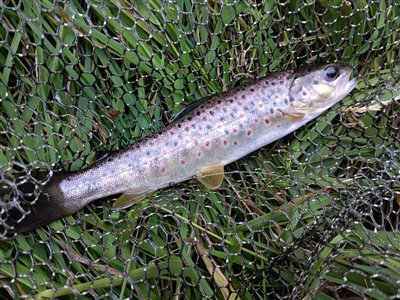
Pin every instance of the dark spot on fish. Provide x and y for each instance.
(202, 106)
(219, 101)
(148, 153)
(179, 125)
(304, 93)
(211, 112)
(274, 103)
(172, 133)
(286, 101)
(198, 113)
(291, 98)
(266, 83)
(207, 143)
(224, 110)
(251, 90)
(248, 132)
(278, 125)
(230, 100)
(189, 118)
(271, 110)
(266, 121)
(232, 115)
(221, 119)
(175, 144)
(273, 82)
(235, 143)
(315, 82)
(241, 126)
(209, 126)
(187, 128)
(252, 103)
(193, 126)
(204, 118)
(245, 108)
(243, 97)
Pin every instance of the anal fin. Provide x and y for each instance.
(129, 198)
(212, 176)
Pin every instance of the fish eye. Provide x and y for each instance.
(331, 73)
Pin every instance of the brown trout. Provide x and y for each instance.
(205, 137)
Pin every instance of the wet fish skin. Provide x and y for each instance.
(221, 130)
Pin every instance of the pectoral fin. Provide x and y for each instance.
(129, 198)
(292, 116)
(212, 177)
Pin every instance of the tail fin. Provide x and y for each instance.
(47, 208)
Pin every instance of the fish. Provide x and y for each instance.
(198, 143)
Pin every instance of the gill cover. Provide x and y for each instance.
(318, 87)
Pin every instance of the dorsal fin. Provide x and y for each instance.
(187, 109)
(101, 155)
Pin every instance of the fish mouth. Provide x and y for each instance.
(351, 83)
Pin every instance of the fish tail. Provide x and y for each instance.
(47, 207)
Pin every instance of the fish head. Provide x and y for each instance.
(316, 88)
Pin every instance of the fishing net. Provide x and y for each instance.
(314, 215)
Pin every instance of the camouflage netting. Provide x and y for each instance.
(314, 215)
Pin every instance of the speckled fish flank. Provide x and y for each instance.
(217, 132)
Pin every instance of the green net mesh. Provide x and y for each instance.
(315, 215)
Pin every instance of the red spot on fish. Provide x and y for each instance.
(225, 142)
(182, 162)
(163, 170)
(234, 130)
(208, 144)
(249, 132)
(219, 126)
(260, 105)
(199, 153)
